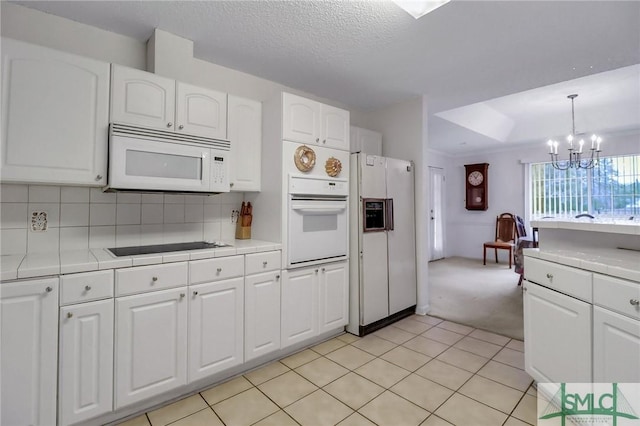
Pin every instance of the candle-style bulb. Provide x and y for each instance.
(593, 138)
(550, 143)
(581, 144)
(555, 147)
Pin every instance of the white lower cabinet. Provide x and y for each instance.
(151, 345)
(299, 305)
(85, 387)
(261, 314)
(216, 327)
(616, 347)
(557, 336)
(28, 352)
(314, 301)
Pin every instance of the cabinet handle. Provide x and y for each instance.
(634, 302)
(231, 184)
(49, 289)
(316, 271)
(154, 279)
(278, 277)
(324, 141)
(169, 124)
(181, 127)
(219, 270)
(317, 140)
(323, 270)
(550, 276)
(87, 287)
(99, 178)
(182, 295)
(195, 293)
(69, 314)
(264, 263)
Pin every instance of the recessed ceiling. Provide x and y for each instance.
(371, 54)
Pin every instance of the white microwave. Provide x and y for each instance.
(143, 159)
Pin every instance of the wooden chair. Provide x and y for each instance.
(505, 237)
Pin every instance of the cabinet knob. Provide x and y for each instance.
(524, 289)
(317, 140)
(323, 269)
(324, 141)
(87, 287)
(634, 302)
(48, 289)
(182, 295)
(98, 178)
(219, 270)
(550, 276)
(69, 314)
(264, 263)
(154, 279)
(181, 127)
(195, 293)
(169, 124)
(316, 271)
(231, 184)
(278, 277)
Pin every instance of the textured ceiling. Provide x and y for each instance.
(369, 54)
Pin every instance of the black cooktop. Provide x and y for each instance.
(163, 248)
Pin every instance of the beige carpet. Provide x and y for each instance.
(486, 297)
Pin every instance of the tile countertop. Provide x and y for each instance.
(619, 263)
(612, 226)
(34, 265)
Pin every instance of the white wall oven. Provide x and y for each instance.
(317, 220)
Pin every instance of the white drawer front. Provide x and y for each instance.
(150, 278)
(85, 287)
(616, 294)
(565, 279)
(220, 268)
(256, 263)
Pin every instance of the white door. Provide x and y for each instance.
(261, 314)
(216, 327)
(142, 99)
(436, 213)
(333, 310)
(245, 134)
(201, 112)
(299, 305)
(557, 336)
(616, 347)
(334, 130)
(300, 119)
(55, 116)
(86, 361)
(28, 352)
(401, 236)
(151, 338)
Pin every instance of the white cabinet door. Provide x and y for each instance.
(245, 134)
(261, 314)
(616, 347)
(557, 336)
(334, 131)
(201, 112)
(85, 387)
(300, 119)
(55, 116)
(28, 352)
(151, 342)
(142, 99)
(334, 296)
(299, 305)
(366, 141)
(216, 327)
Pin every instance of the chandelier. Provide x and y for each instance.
(575, 148)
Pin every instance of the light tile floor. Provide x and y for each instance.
(419, 371)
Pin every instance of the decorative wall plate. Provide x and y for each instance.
(333, 166)
(305, 158)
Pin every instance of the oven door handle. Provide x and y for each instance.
(332, 209)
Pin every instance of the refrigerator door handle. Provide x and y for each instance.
(389, 213)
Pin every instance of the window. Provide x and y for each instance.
(612, 189)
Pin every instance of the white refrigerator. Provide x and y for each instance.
(382, 226)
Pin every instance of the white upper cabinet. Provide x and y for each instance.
(55, 116)
(142, 98)
(145, 99)
(366, 141)
(313, 123)
(245, 134)
(201, 111)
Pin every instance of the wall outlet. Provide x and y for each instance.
(39, 221)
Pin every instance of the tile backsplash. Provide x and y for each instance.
(37, 219)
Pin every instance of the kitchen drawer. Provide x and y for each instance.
(77, 288)
(565, 279)
(256, 263)
(616, 294)
(216, 269)
(150, 278)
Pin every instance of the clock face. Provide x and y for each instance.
(475, 178)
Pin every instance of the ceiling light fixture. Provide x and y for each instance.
(418, 8)
(575, 148)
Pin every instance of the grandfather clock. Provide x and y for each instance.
(476, 184)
